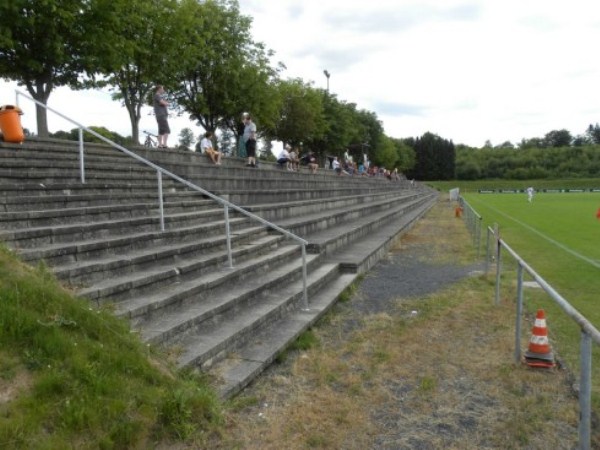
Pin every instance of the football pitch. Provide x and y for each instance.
(557, 234)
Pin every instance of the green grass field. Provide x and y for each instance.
(558, 235)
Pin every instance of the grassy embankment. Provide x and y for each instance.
(75, 377)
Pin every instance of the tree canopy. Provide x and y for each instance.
(41, 46)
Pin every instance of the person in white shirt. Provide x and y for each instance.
(335, 165)
(206, 147)
(529, 194)
(284, 157)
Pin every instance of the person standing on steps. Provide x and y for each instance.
(250, 140)
(162, 114)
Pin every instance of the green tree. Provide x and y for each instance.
(436, 158)
(406, 159)
(41, 46)
(342, 129)
(300, 115)
(533, 143)
(223, 72)
(558, 138)
(387, 155)
(369, 130)
(593, 133)
(186, 138)
(226, 142)
(137, 49)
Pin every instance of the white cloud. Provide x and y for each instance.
(469, 70)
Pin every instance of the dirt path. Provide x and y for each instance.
(417, 358)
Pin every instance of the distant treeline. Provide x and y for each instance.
(528, 163)
(73, 135)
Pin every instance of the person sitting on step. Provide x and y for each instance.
(284, 157)
(207, 148)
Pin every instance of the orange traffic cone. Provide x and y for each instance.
(539, 353)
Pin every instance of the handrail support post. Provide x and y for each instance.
(585, 392)
(498, 270)
(519, 313)
(304, 279)
(228, 237)
(81, 156)
(161, 207)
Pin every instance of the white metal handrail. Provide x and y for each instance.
(160, 172)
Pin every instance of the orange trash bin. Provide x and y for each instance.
(10, 124)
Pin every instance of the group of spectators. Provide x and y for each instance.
(289, 158)
(351, 168)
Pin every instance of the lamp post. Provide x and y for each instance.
(327, 74)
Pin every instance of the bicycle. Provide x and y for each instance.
(150, 142)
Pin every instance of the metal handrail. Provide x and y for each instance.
(589, 332)
(473, 221)
(161, 171)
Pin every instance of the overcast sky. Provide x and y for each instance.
(466, 70)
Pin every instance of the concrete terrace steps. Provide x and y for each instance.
(331, 238)
(84, 214)
(238, 368)
(197, 288)
(357, 216)
(202, 310)
(144, 292)
(203, 346)
(140, 285)
(269, 196)
(78, 232)
(111, 245)
(103, 237)
(274, 211)
(95, 275)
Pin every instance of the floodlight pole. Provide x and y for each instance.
(327, 74)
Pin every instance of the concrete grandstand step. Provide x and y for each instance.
(220, 297)
(34, 203)
(365, 253)
(146, 282)
(83, 249)
(257, 197)
(348, 233)
(84, 272)
(67, 233)
(8, 190)
(310, 224)
(240, 367)
(203, 346)
(87, 214)
(278, 211)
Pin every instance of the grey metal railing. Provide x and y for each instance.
(473, 221)
(160, 172)
(589, 333)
